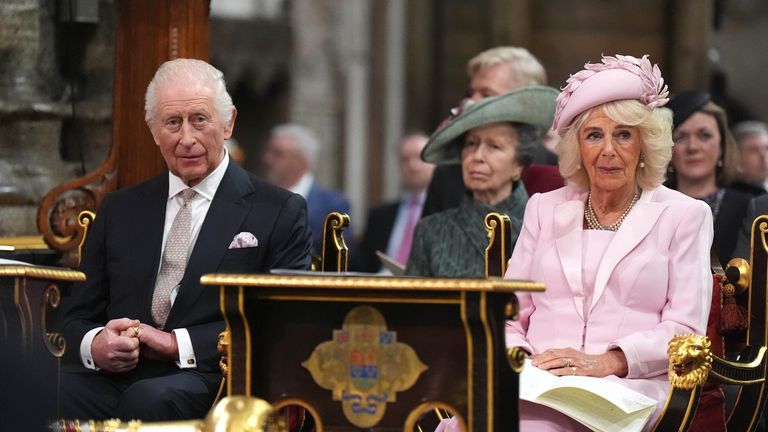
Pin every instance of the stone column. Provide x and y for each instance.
(30, 120)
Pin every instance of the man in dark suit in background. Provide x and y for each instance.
(390, 226)
(143, 330)
(493, 72)
(288, 159)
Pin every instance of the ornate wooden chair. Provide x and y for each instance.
(335, 254)
(746, 371)
(499, 249)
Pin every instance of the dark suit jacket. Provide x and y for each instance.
(757, 206)
(122, 255)
(378, 228)
(733, 209)
(320, 202)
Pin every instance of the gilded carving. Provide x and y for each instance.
(364, 366)
(690, 360)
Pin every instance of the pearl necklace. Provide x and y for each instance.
(591, 217)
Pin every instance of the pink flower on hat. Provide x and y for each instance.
(630, 78)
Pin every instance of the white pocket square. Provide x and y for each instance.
(244, 240)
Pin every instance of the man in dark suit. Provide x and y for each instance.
(142, 330)
(390, 226)
(288, 159)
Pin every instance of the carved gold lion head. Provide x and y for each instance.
(690, 360)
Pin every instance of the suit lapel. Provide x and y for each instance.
(225, 215)
(638, 223)
(568, 223)
(146, 242)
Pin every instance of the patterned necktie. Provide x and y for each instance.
(412, 219)
(174, 260)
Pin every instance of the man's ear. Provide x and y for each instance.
(231, 125)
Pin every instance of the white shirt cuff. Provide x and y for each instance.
(85, 349)
(186, 352)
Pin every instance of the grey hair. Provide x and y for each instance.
(306, 141)
(655, 130)
(527, 70)
(747, 129)
(189, 70)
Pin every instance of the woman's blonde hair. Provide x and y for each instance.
(655, 131)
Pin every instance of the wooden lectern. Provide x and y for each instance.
(30, 348)
(373, 352)
(27, 294)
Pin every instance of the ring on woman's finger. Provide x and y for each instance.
(567, 362)
(573, 370)
(136, 331)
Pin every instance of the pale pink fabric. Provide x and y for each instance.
(449, 425)
(414, 212)
(615, 78)
(654, 282)
(244, 240)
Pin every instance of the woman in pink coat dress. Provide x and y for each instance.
(625, 260)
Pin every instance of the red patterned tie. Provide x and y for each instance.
(174, 260)
(410, 225)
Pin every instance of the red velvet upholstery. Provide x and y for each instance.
(542, 178)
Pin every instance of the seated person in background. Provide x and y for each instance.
(625, 260)
(495, 139)
(757, 206)
(290, 154)
(493, 72)
(390, 226)
(752, 139)
(704, 162)
(142, 330)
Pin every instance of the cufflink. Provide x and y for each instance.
(191, 361)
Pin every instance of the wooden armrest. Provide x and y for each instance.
(335, 254)
(499, 249)
(690, 361)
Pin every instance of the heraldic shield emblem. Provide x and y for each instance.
(364, 366)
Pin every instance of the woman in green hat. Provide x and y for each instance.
(494, 139)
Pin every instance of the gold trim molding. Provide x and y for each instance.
(49, 273)
(372, 283)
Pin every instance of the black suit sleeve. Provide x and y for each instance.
(757, 206)
(85, 306)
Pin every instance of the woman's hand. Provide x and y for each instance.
(568, 361)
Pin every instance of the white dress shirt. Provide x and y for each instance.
(199, 206)
(303, 186)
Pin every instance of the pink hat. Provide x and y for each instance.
(616, 78)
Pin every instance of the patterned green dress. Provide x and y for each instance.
(452, 243)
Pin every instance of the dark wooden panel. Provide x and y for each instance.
(149, 32)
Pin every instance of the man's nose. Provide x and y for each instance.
(187, 134)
